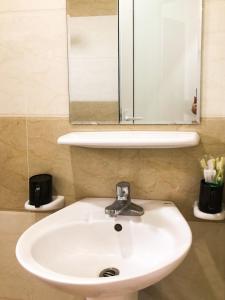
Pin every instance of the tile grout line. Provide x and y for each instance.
(27, 152)
(32, 10)
(27, 144)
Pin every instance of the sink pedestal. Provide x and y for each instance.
(133, 296)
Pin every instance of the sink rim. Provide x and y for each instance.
(26, 259)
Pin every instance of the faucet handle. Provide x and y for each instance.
(123, 191)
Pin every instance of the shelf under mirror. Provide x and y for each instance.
(131, 139)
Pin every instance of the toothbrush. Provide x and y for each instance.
(213, 169)
(209, 175)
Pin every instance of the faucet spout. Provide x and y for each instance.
(123, 205)
(116, 208)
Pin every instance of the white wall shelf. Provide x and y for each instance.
(131, 139)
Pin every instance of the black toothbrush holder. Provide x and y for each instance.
(210, 198)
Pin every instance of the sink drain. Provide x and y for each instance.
(109, 272)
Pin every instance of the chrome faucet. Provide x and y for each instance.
(123, 205)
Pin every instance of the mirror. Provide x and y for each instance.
(159, 61)
(93, 61)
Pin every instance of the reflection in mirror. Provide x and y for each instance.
(93, 61)
(165, 59)
(159, 61)
(170, 60)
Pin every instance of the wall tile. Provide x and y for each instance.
(45, 156)
(13, 162)
(34, 82)
(166, 174)
(19, 5)
(213, 68)
(33, 70)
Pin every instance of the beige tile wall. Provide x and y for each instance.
(13, 162)
(171, 174)
(33, 55)
(168, 174)
(213, 68)
(33, 78)
(25, 5)
(34, 58)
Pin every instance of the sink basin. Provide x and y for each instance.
(70, 248)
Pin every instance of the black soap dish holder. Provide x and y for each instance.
(210, 205)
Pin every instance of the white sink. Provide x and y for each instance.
(70, 248)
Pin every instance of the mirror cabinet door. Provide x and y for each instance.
(93, 61)
(164, 54)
